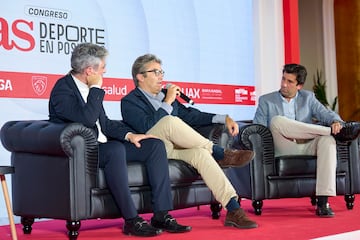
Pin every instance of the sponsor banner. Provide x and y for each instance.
(34, 85)
(204, 93)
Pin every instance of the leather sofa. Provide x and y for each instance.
(293, 176)
(57, 176)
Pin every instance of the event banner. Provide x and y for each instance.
(206, 47)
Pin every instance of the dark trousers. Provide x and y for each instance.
(113, 157)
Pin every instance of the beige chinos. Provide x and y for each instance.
(323, 145)
(182, 142)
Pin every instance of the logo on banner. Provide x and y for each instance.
(49, 30)
(39, 84)
(241, 94)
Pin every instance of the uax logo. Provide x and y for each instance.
(17, 34)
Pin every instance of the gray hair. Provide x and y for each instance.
(87, 55)
(140, 64)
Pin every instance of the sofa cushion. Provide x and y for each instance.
(179, 172)
(291, 165)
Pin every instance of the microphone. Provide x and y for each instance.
(182, 95)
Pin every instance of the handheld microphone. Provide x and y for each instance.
(182, 95)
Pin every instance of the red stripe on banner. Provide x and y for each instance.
(291, 31)
(38, 86)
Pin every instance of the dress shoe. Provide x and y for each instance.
(238, 219)
(236, 158)
(349, 132)
(169, 224)
(139, 227)
(325, 211)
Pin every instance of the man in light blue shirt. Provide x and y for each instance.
(300, 124)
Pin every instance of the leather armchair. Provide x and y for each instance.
(293, 176)
(57, 176)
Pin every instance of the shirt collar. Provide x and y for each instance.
(160, 96)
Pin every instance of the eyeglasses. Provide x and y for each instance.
(157, 72)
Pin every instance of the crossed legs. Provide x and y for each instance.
(321, 144)
(182, 142)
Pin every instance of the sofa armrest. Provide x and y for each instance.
(44, 137)
(34, 136)
(258, 138)
(354, 165)
(59, 159)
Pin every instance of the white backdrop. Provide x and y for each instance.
(219, 44)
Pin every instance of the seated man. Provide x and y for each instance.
(78, 97)
(289, 113)
(148, 110)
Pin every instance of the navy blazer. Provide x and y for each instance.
(307, 108)
(139, 114)
(66, 105)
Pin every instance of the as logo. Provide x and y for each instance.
(16, 35)
(39, 84)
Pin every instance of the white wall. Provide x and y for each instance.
(317, 43)
(269, 45)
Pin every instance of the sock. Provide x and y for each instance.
(160, 215)
(232, 205)
(321, 201)
(218, 152)
(132, 220)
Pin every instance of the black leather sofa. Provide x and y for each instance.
(57, 175)
(292, 176)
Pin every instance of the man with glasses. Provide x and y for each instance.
(147, 109)
(78, 97)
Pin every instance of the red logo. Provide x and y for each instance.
(17, 35)
(39, 84)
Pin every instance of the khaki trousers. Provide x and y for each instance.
(182, 142)
(322, 144)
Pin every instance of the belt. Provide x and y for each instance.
(299, 141)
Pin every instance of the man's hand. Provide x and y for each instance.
(232, 126)
(172, 92)
(336, 127)
(94, 79)
(136, 138)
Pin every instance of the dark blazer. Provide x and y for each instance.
(140, 115)
(307, 108)
(67, 105)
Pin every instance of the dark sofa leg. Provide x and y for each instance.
(73, 227)
(349, 199)
(257, 205)
(313, 200)
(27, 223)
(215, 209)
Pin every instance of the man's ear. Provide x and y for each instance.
(140, 77)
(300, 86)
(88, 71)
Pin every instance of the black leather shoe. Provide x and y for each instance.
(170, 225)
(139, 227)
(325, 211)
(349, 132)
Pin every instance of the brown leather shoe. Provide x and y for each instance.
(236, 158)
(238, 219)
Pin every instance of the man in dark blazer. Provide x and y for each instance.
(300, 124)
(78, 97)
(149, 110)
